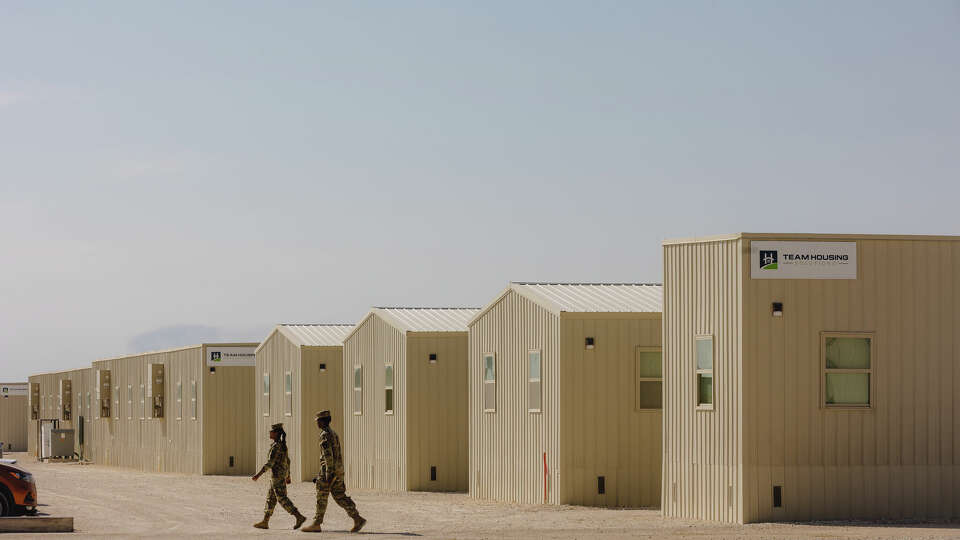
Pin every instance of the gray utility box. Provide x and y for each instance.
(61, 443)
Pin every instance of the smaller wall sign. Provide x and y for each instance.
(231, 356)
(19, 389)
(803, 260)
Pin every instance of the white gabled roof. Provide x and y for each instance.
(312, 335)
(587, 297)
(422, 319)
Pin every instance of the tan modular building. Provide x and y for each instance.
(405, 385)
(63, 399)
(13, 416)
(299, 372)
(812, 377)
(187, 410)
(565, 395)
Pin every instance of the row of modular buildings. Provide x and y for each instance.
(770, 377)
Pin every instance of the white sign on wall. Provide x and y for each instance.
(803, 260)
(19, 389)
(231, 356)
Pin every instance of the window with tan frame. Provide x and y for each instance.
(116, 402)
(357, 390)
(179, 400)
(288, 393)
(265, 395)
(489, 382)
(193, 400)
(129, 402)
(704, 370)
(388, 389)
(534, 381)
(649, 379)
(847, 364)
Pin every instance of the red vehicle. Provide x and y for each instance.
(18, 491)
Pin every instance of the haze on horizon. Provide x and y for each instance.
(183, 172)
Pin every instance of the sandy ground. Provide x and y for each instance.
(113, 503)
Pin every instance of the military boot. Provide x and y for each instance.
(358, 523)
(263, 524)
(300, 519)
(313, 527)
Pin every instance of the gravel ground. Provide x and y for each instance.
(115, 503)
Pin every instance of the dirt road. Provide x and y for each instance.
(113, 503)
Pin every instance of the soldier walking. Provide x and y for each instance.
(330, 479)
(279, 464)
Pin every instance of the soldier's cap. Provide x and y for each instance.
(277, 427)
(323, 414)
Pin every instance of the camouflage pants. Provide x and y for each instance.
(278, 492)
(338, 490)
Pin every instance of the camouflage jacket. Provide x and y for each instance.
(277, 461)
(331, 455)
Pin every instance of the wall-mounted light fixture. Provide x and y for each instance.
(589, 344)
(778, 309)
(433, 358)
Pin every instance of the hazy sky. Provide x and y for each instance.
(173, 173)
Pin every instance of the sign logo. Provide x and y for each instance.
(803, 260)
(215, 356)
(768, 260)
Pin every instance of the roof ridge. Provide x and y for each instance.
(422, 307)
(632, 284)
(316, 324)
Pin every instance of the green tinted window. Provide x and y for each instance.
(847, 389)
(705, 389)
(649, 364)
(847, 352)
(388, 376)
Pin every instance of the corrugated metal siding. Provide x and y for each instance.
(595, 297)
(507, 447)
(228, 418)
(275, 356)
(702, 450)
(375, 444)
(899, 460)
(318, 391)
(152, 444)
(437, 412)
(313, 391)
(50, 392)
(601, 432)
(14, 415)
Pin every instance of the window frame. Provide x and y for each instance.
(538, 380)
(389, 388)
(179, 399)
(485, 382)
(871, 371)
(194, 410)
(143, 402)
(701, 372)
(638, 379)
(357, 368)
(116, 401)
(288, 393)
(265, 393)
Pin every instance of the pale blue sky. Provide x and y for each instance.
(171, 173)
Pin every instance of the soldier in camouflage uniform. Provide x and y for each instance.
(330, 479)
(279, 464)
